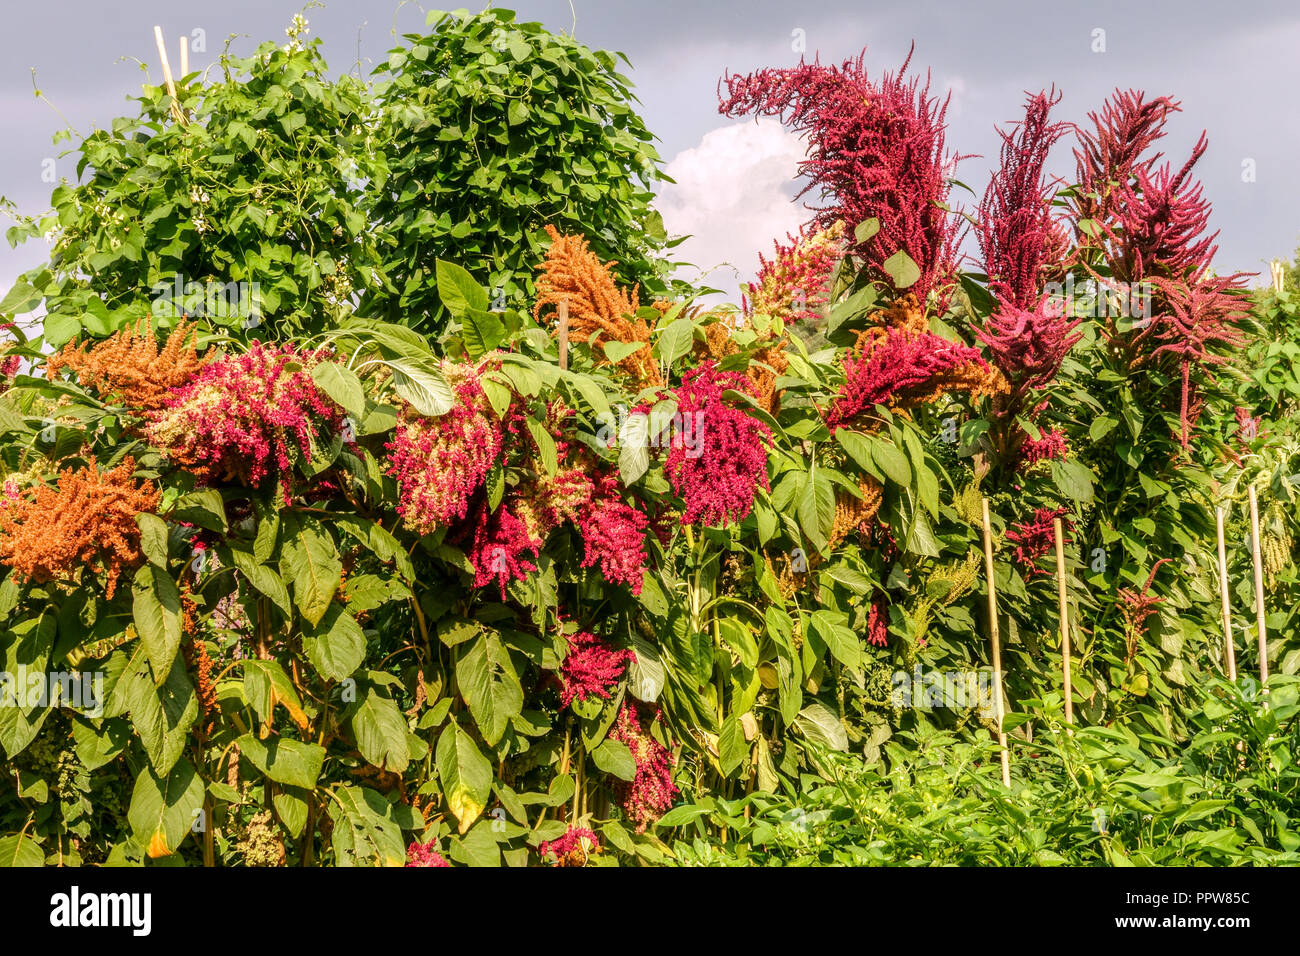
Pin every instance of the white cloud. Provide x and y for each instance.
(733, 196)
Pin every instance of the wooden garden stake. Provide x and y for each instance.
(1230, 654)
(564, 334)
(185, 56)
(167, 74)
(1279, 274)
(1065, 624)
(997, 645)
(1259, 587)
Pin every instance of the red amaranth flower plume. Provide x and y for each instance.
(717, 460)
(651, 792)
(1199, 317)
(1037, 536)
(439, 463)
(876, 151)
(901, 369)
(425, 854)
(501, 548)
(591, 667)
(793, 284)
(878, 623)
(571, 849)
(1017, 234)
(1137, 606)
(1029, 345)
(1050, 445)
(613, 537)
(1112, 153)
(243, 416)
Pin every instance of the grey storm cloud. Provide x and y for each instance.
(1233, 66)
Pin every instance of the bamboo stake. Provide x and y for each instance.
(996, 642)
(1230, 654)
(1259, 588)
(185, 56)
(167, 73)
(1279, 274)
(564, 334)
(1065, 624)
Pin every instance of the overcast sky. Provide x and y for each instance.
(1233, 66)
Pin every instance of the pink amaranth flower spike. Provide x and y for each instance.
(1029, 345)
(501, 548)
(1037, 536)
(613, 537)
(1017, 234)
(1049, 447)
(878, 623)
(875, 151)
(900, 369)
(717, 460)
(571, 849)
(424, 854)
(1112, 153)
(590, 668)
(439, 463)
(651, 792)
(795, 283)
(242, 415)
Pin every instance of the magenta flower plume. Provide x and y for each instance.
(875, 151)
(245, 416)
(797, 281)
(1037, 536)
(1200, 316)
(1049, 447)
(571, 849)
(613, 537)
(439, 463)
(424, 854)
(1017, 235)
(591, 667)
(1112, 153)
(718, 458)
(1029, 345)
(651, 791)
(901, 369)
(501, 548)
(878, 623)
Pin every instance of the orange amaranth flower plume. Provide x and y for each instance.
(87, 520)
(599, 311)
(128, 366)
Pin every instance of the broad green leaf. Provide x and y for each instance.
(312, 563)
(165, 807)
(156, 610)
(464, 774)
(284, 760)
(819, 724)
(615, 758)
(342, 386)
(458, 290)
(380, 732)
(902, 270)
(336, 645)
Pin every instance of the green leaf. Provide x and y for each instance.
(615, 758)
(161, 714)
(891, 461)
(465, 775)
(816, 509)
(490, 685)
(265, 685)
(336, 645)
(865, 230)
(60, 329)
(366, 831)
(164, 808)
(380, 732)
(731, 745)
(458, 290)
(342, 386)
(153, 538)
(819, 724)
(156, 610)
(262, 578)
(646, 674)
(634, 448)
(675, 340)
(284, 760)
(427, 392)
(902, 270)
(1074, 479)
(19, 849)
(312, 563)
(19, 299)
(545, 444)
